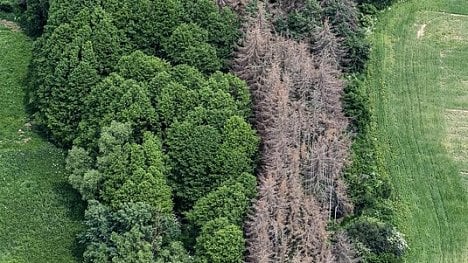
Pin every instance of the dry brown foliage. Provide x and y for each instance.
(298, 114)
(286, 225)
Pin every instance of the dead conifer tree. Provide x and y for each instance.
(286, 224)
(328, 47)
(255, 53)
(298, 115)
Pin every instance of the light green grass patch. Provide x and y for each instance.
(450, 33)
(457, 136)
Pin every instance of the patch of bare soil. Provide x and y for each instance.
(10, 25)
(421, 31)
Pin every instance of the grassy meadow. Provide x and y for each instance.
(418, 84)
(39, 212)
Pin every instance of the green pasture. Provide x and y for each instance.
(39, 212)
(418, 84)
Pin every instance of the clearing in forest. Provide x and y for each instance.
(418, 86)
(39, 212)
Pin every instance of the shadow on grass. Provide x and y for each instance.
(75, 207)
(78, 249)
(71, 200)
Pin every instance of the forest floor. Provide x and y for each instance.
(418, 82)
(40, 214)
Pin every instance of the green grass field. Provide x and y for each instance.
(418, 83)
(39, 213)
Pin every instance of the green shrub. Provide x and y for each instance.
(381, 239)
(379, 4)
(356, 105)
(369, 184)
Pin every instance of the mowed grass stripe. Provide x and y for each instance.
(40, 214)
(405, 84)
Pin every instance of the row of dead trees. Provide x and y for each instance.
(296, 92)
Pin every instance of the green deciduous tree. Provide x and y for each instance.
(125, 235)
(188, 76)
(220, 242)
(236, 87)
(203, 156)
(230, 201)
(175, 101)
(174, 252)
(133, 172)
(141, 67)
(188, 44)
(192, 150)
(149, 187)
(83, 177)
(237, 151)
(131, 247)
(116, 99)
(147, 22)
(222, 25)
(135, 123)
